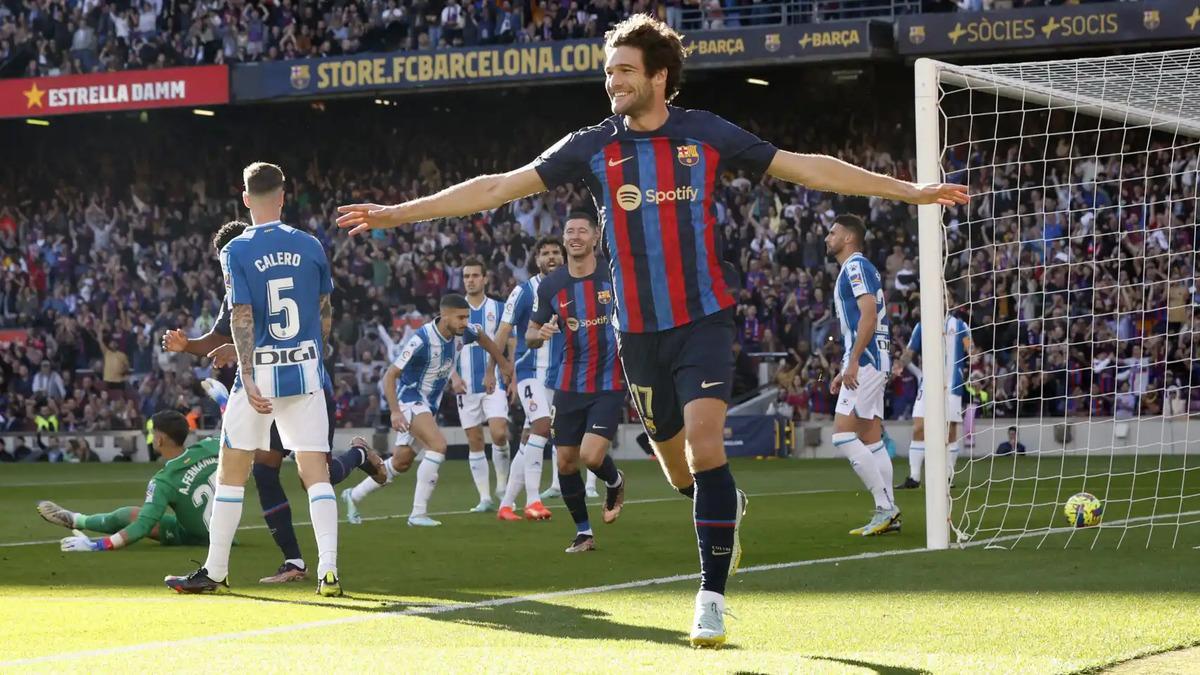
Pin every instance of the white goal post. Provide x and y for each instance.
(1082, 114)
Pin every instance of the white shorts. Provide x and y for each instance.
(476, 409)
(410, 410)
(954, 410)
(302, 421)
(532, 393)
(865, 402)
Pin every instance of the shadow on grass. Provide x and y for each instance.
(880, 668)
(530, 617)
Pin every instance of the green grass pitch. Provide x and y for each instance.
(478, 595)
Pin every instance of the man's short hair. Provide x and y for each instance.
(854, 224)
(228, 232)
(453, 301)
(262, 178)
(548, 240)
(173, 424)
(580, 214)
(1012, 430)
(475, 262)
(661, 47)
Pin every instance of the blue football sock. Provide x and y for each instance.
(276, 510)
(716, 517)
(343, 464)
(573, 496)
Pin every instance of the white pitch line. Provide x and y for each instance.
(12, 544)
(495, 602)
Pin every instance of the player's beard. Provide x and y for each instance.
(639, 102)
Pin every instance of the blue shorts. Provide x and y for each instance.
(574, 414)
(668, 369)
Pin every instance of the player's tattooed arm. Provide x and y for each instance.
(241, 322)
(326, 317)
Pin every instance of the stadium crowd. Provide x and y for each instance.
(62, 37)
(1081, 304)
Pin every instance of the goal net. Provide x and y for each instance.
(1075, 268)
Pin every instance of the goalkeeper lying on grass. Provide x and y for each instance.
(184, 484)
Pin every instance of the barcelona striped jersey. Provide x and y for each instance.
(654, 192)
(542, 363)
(425, 363)
(472, 360)
(583, 307)
(281, 273)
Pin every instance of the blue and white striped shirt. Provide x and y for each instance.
(425, 363)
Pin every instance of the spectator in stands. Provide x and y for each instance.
(1011, 445)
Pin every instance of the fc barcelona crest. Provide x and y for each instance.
(604, 297)
(772, 42)
(301, 76)
(916, 34)
(1151, 19)
(689, 155)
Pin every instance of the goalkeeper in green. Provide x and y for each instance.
(184, 485)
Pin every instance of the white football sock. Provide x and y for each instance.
(479, 472)
(501, 462)
(427, 478)
(554, 467)
(516, 479)
(591, 480)
(880, 455)
(864, 465)
(533, 450)
(367, 486)
(226, 514)
(323, 512)
(953, 460)
(916, 459)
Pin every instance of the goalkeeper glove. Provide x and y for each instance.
(79, 542)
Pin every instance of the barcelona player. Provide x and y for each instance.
(590, 391)
(653, 170)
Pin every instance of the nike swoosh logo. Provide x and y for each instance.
(709, 385)
(597, 426)
(618, 162)
(564, 305)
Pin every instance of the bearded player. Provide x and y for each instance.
(653, 171)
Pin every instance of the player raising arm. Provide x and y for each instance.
(413, 386)
(184, 485)
(653, 171)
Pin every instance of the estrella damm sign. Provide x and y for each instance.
(1049, 27)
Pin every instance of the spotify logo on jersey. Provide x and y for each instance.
(629, 197)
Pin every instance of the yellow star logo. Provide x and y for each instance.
(1050, 27)
(805, 40)
(958, 32)
(33, 96)
(1193, 18)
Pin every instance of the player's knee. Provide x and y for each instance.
(402, 459)
(567, 463)
(500, 438)
(541, 427)
(438, 446)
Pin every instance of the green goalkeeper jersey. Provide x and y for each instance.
(185, 485)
